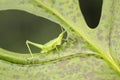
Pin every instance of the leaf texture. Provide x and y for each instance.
(93, 56)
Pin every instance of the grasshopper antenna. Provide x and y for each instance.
(62, 29)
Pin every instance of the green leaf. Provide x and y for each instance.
(94, 55)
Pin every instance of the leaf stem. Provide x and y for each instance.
(111, 61)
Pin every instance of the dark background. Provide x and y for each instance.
(17, 26)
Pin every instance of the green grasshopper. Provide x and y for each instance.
(52, 44)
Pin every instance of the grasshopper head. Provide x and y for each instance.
(60, 37)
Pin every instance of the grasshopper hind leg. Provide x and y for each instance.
(27, 43)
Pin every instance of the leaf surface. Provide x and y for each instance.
(93, 56)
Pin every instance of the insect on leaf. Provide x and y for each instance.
(52, 44)
(94, 56)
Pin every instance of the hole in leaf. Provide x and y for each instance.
(91, 10)
(17, 26)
